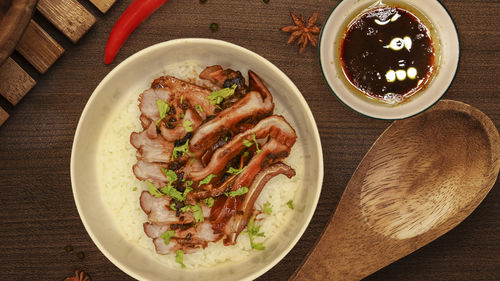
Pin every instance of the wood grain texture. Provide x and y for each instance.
(422, 177)
(39, 48)
(3, 116)
(14, 81)
(103, 5)
(35, 144)
(69, 16)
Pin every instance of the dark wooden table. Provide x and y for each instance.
(38, 217)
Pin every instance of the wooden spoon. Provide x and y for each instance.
(421, 178)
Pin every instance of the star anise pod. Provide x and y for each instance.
(302, 32)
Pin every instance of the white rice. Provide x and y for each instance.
(121, 190)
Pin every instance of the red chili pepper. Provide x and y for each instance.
(134, 15)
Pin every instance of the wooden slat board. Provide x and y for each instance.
(38, 47)
(3, 116)
(103, 5)
(14, 81)
(69, 16)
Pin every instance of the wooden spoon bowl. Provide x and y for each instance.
(14, 18)
(421, 178)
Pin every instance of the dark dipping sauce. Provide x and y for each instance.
(387, 53)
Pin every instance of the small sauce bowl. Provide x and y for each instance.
(446, 50)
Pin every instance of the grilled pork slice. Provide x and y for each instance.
(244, 211)
(276, 127)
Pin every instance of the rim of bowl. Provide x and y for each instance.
(256, 56)
(379, 117)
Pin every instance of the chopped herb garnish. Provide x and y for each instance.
(214, 26)
(245, 154)
(207, 179)
(240, 191)
(171, 175)
(80, 255)
(181, 116)
(189, 183)
(247, 143)
(153, 190)
(172, 192)
(68, 248)
(209, 202)
(253, 231)
(182, 98)
(290, 204)
(135, 188)
(183, 149)
(235, 171)
(163, 108)
(179, 258)
(187, 124)
(172, 206)
(256, 143)
(167, 235)
(185, 193)
(267, 208)
(200, 109)
(216, 97)
(197, 212)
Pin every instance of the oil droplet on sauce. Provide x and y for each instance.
(387, 42)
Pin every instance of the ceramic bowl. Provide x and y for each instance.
(135, 74)
(446, 44)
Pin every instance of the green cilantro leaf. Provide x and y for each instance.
(186, 191)
(207, 179)
(209, 202)
(187, 124)
(197, 212)
(181, 116)
(234, 171)
(200, 109)
(267, 208)
(189, 183)
(253, 230)
(153, 190)
(135, 188)
(290, 204)
(171, 175)
(172, 192)
(167, 235)
(258, 246)
(179, 258)
(240, 191)
(182, 98)
(163, 108)
(247, 143)
(183, 149)
(216, 97)
(172, 206)
(245, 154)
(256, 143)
